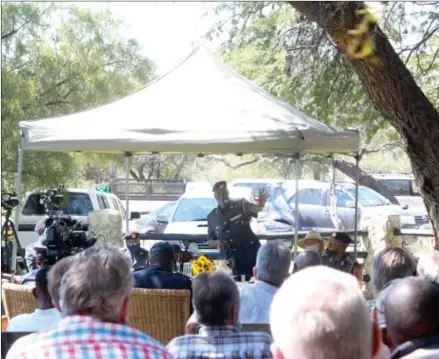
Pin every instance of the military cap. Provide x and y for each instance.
(161, 247)
(131, 235)
(342, 237)
(219, 186)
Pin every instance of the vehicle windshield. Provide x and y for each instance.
(74, 203)
(366, 197)
(194, 209)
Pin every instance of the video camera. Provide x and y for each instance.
(64, 236)
(9, 201)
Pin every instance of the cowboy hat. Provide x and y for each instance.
(312, 235)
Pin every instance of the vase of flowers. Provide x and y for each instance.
(202, 264)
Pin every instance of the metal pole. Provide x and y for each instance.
(296, 205)
(127, 190)
(18, 208)
(357, 183)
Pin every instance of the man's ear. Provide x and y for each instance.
(377, 339)
(255, 272)
(124, 312)
(275, 351)
(34, 293)
(234, 315)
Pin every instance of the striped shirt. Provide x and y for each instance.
(85, 337)
(225, 342)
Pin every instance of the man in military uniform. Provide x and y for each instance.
(336, 256)
(229, 229)
(137, 254)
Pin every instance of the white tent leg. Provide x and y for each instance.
(357, 183)
(127, 190)
(296, 205)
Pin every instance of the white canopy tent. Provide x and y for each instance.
(200, 106)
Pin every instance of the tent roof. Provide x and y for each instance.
(200, 106)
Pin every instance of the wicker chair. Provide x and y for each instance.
(160, 313)
(18, 299)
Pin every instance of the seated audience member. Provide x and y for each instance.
(428, 267)
(313, 241)
(44, 317)
(272, 268)
(216, 302)
(389, 266)
(55, 276)
(94, 301)
(320, 313)
(411, 310)
(159, 274)
(307, 259)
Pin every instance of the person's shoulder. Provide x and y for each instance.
(348, 257)
(23, 345)
(257, 337)
(183, 278)
(18, 323)
(212, 213)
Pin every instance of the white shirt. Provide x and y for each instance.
(255, 301)
(35, 322)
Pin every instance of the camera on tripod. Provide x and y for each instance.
(64, 236)
(9, 201)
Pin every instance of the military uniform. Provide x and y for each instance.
(232, 224)
(346, 263)
(137, 255)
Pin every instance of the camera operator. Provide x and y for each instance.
(31, 253)
(40, 262)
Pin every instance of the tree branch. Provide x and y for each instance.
(233, 166)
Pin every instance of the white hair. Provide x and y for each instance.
(97, 284)
(273, 262)
(428, 267)
(321, 313)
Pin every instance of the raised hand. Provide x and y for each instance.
(263, 195)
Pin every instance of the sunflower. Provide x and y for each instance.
(202, 264)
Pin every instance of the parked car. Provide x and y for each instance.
(315, 205)
(78, 204)
(406, 191)
(256, 184)
(156, 220)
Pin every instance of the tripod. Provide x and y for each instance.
(10, 246)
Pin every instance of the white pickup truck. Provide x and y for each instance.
(78, 205)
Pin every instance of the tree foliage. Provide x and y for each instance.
(273, 45)
(59, 59)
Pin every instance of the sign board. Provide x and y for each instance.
(103, 187)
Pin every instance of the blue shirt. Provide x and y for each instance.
(225, 342)
(255, 302)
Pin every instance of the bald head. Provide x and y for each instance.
(307, 259)
(320, 313)
(418, 299)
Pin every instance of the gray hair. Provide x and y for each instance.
(273, 263)
(214, 296)
(391, 263)
(428, 267)
(55, 276)
(97, 284)
(321, 313)
(307, 259)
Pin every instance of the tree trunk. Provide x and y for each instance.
(393, 91)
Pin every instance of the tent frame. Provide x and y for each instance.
(128, 155)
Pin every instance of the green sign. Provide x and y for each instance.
(103, 187)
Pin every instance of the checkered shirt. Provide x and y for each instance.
(85, 337)
(225, 342)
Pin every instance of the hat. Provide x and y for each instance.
(312, 235)
(219, 186)
(161, 247)
(342, 237)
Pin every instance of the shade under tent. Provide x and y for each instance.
(201, 106)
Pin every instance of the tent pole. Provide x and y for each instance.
(296, 204)
(17, 209)
(357, 183)
(127, 190)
